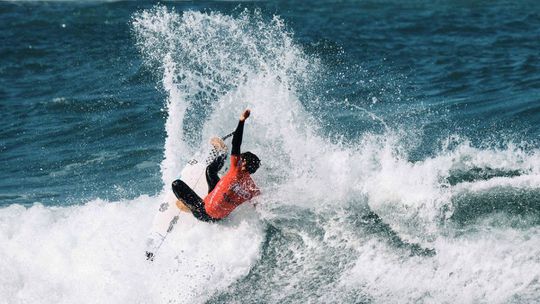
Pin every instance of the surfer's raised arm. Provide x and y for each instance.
(238, 133)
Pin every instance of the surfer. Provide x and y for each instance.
(227, 193)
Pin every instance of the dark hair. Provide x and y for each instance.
(252, 162)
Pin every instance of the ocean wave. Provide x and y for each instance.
(95, 253)
(400, 211)
(356, 220)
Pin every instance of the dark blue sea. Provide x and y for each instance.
(400, 148)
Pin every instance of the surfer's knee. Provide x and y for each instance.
(178, 185)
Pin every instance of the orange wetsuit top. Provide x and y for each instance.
(235, 187)
(232, 190)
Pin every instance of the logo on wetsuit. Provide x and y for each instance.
(237, 188)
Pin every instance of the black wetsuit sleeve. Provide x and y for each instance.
(237, 138)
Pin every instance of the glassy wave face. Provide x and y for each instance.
(399, 147)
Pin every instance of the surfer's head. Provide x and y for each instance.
(250, 162)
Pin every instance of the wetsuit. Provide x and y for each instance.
(224, 195)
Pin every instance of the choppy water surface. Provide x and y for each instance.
(399, 146)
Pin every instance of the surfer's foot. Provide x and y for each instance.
(182, 206)
(218, 144)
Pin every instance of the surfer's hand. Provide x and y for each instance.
(218, 143)
(245, 115)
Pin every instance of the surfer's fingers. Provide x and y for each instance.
(218, 143)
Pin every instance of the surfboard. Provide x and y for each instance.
(193, 174)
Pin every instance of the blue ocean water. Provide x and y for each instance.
(400, 148)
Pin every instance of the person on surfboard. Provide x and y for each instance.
(227, 193)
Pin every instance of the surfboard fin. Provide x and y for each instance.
(172, 223)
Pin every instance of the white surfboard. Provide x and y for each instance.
(168, 213)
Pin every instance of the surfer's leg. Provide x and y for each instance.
(184, 193)
(212, 170)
